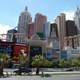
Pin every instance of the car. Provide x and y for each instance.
(69, 70)
(24, 70)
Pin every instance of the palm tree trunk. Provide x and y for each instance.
(37, 71)
(1, 69)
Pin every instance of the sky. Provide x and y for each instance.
(11, 9)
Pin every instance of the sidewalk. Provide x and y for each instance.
(52, 73)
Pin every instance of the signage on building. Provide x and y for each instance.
(6, 47)
(35, 50)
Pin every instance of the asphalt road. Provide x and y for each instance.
(54, 77)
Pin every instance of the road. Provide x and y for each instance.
(10, 71)
(54, 77)
(74, 75)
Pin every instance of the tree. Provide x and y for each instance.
(38, 62)
(78, 58)
(76, 63)
(23, 62)
(47, 63)
(23, 59)
(5, 57)
(3, 62)
(67, 63)
(62, 63)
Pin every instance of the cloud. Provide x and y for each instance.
(4, 28)
(69, 15)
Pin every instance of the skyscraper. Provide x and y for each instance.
(31, 30)
(46, 30)
(54, 36)
(53, 30)
(23, 24)
(60, 21)
(77, 19)
(39, 21)
(71, 29)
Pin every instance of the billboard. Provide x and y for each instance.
(6, 47)
(17, 50)
(34, 50)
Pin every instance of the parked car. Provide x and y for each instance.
(69, 70)
(24, 70)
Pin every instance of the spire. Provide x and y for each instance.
(77, 8)
(26, 8)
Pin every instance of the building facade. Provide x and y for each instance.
(23, 24)
(60, 21)
(53, 30)
(31, 30)
(39, 21)
(73, 53)
(11, 35)
(17, 49)
(77, 19)
(46, 30)
(71, 28)
(7, 48)
(72, 41)
(54, 36)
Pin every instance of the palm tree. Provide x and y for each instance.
(5, 57)
(3, 62)
(23, 61)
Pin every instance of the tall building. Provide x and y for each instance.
(53, 30)
(71, 29)
(54, 36)
(60, 21)
(77, 19)
(23, 25)
(46, 30)
(39, 21)
(31, 30)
